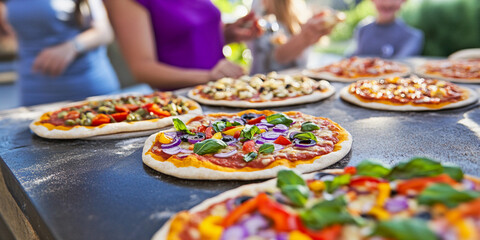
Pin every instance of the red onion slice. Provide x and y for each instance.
(175, 143)
(264, 121)
(278, 147)
(270, 135)
(172, 150)
(254, 223)
(170, 134)
(396, 204)
(304, 143)
(186, 151)
(235, 232)
(225, 155)
(280, 128)
(260, 126)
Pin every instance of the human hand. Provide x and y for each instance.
(54, 60)
(225, 68)
(244, 29)
(321, 24)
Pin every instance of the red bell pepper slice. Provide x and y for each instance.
(283, 221)
(120, 117)
(155, 109)
(73, 115)
(249, 146)
(256, 120)
(240, 211)
(419, 184)
(329, 233)
(350, 170)
(365, 181)
(209, 132)
(121, 108)
(201, 129)
(100, 119)
(237, 134)
(282, 141)
(131, 107)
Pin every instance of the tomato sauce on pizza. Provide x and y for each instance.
(356, 67)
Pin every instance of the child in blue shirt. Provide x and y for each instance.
(388, 36)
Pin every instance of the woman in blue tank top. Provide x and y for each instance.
(58, 59)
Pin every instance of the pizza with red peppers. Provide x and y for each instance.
(271, 90)
(408, 94)
(355, 68)
(417, 199)
(460, 70)
(246, 145)
(106, 118)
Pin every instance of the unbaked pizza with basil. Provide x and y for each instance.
(455, 70)
(356, 68)
(131, 115)
(246, 145)
(271, 90)
(408, 94)
(416, 199)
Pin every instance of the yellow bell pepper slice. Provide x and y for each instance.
(164, 139)
(232, 131)
(217, 135)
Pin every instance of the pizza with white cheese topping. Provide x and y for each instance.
(271, 90)
(408, 94)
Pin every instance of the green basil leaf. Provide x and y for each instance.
(305, 136)
(235, 123)
(266, 148)
(337, 182)
(209, 146)
(218, 126)
(446, 195)
(372, 169)
(327, 213)
(454, 172)
(180, 126)
(404, 229)
(249, 131)
(293, 187)
(297, 194)
(416, 167)
(309, 126)
(279, 118)
(250, 156)
(289, 177)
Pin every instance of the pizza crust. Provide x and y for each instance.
(169, 168)
(345, 95)
(314, 97)
(420, 71)
(112, 130)
(249, 189)
(332, 77)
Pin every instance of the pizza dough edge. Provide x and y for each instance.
(314, 97)
(210, 174)
(112, 128)
(345, 95)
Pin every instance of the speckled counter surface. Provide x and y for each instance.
(79, 189)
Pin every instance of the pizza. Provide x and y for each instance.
(459, 70)
(124, 116)
(246, 145)
(355, 68)
(272, 90)
(408, 94)
(416, 199)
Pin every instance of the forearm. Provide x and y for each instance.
(159, 75)
(291, 50)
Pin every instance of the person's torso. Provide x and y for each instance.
(187, 32)
(383, 40)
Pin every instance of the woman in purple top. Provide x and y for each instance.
(173, 44)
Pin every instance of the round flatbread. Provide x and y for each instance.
(370, 200)
(259, 91)
(355, 68)
(115, 118)
(408, 94)
(454, 70)
(223, 146)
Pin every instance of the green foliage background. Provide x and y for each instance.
(448, 25)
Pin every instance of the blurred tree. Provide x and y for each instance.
(449, 25)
